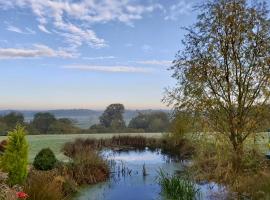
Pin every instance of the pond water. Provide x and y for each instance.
(128, 181)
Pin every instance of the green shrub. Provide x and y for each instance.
(45, 160)
(15, 158)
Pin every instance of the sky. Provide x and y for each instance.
(89, 53)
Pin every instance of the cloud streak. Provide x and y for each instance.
(37, 51)
(18, 30)
(43, 29)
(109, 69)
(155, 62)
(99, 58)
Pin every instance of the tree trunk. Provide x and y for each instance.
(237, 157)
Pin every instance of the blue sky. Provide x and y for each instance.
(89, 53)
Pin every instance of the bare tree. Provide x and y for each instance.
(224, 70)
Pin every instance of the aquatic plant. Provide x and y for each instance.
(177, 188)
(144, 170)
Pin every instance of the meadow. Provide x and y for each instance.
(55, 142)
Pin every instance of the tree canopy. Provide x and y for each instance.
(112, 117)
(9, 121)
(150, 122)
(43, 121)
(224, 70)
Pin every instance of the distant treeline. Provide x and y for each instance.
(110, 121)
(83, 118)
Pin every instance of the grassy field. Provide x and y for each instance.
(55, 142)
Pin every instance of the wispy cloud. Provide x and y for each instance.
(43, 29)
(183, 7)
(146, 48)
(63, 14)
(18, 30)
(14, 29)
(154, 62)
(99, 58)
(38, 50)
(111, 69)
(76, 36)
(129, 44)
(30, 31)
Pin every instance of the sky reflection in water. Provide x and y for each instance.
(132, 185)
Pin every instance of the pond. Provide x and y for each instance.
(128, 180)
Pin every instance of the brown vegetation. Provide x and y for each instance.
(87, 167)
(49, 185)
(174, 146)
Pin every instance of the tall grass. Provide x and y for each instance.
(177, 188)
(87, 167)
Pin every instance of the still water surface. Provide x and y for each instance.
(127, 181)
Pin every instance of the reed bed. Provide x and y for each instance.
(88, 167)
(180, 148)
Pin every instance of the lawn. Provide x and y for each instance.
(55, 142)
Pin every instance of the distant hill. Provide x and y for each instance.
(83, 118)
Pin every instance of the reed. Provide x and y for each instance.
(177, 188)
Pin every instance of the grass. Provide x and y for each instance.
(177, 188)
(55, 142)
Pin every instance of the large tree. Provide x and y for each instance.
(43, 121)
(224, 70)
(112, 117)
